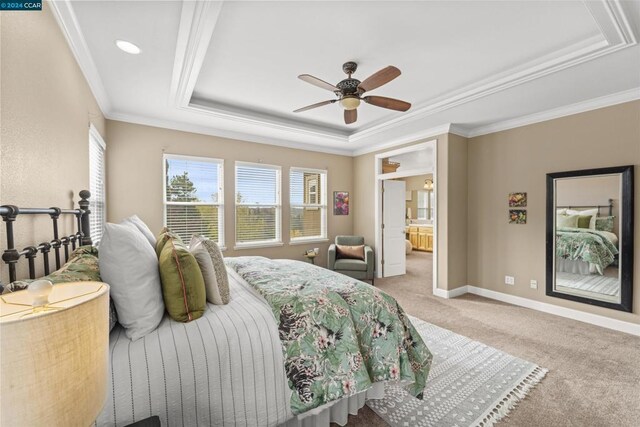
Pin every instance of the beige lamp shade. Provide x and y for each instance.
(54, 361)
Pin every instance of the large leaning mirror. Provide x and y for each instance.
(590, 236)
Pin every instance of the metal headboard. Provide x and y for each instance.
(11, 255)
(610, 206)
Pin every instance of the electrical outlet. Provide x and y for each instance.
(534, 284)
(509, 280)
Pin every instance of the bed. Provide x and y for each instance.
(585, 248)
(268, 358)
(584, 251)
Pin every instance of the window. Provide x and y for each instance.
(425, 204)
(308, 201)
(422, 205)
(193, 197)
(97, 204)
(257, 205)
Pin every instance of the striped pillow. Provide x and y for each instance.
(208, 271)
(222, 277)
(183, 288)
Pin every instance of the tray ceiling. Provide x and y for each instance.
(230, 68)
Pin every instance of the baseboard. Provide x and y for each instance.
(442, 293)
(569, 313)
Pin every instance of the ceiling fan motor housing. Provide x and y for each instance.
(348, 86)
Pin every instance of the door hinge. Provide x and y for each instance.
(383, 226)
(382, 262)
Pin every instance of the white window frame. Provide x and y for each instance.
(95, 137)
(220, 203)
(322, 205)
(278, 206)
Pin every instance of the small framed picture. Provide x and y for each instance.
(517, 216)
(517, 200)
(341, 203)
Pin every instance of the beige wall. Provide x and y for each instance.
(588, 191)
(453, 211)
(134, 179)
(518, 160)
(45, 110)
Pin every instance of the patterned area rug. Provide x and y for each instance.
(470, 384)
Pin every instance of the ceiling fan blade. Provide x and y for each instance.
(350, 116)
(317, 82)
(384, 102)
(319, 104)
(378, 79)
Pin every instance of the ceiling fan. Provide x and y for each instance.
(349, 91)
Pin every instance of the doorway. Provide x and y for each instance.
(406, 214)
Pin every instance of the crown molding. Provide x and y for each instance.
(212, 131)
(68, 23)
(197, 24)
(198, 19)
(268, 122)
(557, 61)
(615, 34)
(612, 22)
(555, 113)
(406, 139)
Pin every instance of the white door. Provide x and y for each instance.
(393, 228)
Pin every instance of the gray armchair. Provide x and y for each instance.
(355, 268)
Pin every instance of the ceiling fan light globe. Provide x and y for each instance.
(350, 103)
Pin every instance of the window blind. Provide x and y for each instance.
(422, 205)
(97, 204)
(308, 202)
(257, 204)
(194, 197)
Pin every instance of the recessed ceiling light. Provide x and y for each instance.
(128, 47)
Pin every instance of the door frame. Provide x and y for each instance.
(379, 177)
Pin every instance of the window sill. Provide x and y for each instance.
(257, 245)
(307, 241)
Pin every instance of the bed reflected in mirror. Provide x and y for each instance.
(590, 236)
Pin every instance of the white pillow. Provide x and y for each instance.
(130, 266)
(142, 227)
(201, 255)
(592, 212)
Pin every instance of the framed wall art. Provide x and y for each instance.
(517, 200)
(341, 203)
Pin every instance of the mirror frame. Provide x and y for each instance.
(626, 238)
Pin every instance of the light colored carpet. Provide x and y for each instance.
(470, 384)
(592, 283)
(594, 373)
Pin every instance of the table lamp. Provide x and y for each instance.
(54, 354)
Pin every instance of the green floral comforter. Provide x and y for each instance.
(338, 335)
(582, 244)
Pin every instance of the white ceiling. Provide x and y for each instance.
(230, 68)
